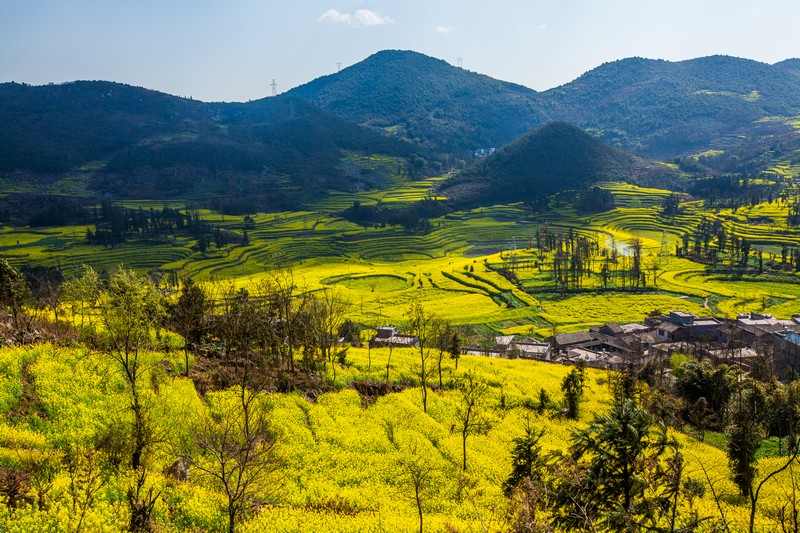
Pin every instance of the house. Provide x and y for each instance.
(528, 348)
(564, 341)
(680, 325)
(390, 336)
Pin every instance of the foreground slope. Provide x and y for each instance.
(342, 457)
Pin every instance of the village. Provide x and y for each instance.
(743, 341)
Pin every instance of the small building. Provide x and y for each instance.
(391, 336)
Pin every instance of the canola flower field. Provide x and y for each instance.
(340, 455)
(382, 269)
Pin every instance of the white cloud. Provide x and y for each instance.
(332, 15)
(365, 17)
(445, 30)
(361, 17)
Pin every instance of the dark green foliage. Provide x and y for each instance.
(649, 106)
(527, 460)
(572, 387)
(143, 144)
(595, 200)
(610, 461)
(745, 434)
(427, 100)
(671, 204)
(189, 315)
(701, 379)
(551, 159)
(13, 288)
(350, 332)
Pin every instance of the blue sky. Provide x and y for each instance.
(230, 50)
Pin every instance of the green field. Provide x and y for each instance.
(383, 269)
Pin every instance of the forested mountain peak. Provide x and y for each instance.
(548, 160)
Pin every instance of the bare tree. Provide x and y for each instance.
(472, 413)
(235, 447)
(417, 471)
(86, 478)
(421, 324)
(330, 312)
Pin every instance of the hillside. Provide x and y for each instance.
(128, 142)
(550, 159)
(427, 100)
(653, 107)
(343, 459)
(664, 108)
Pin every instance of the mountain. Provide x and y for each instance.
(653, 107)
(663, 108)
(553, 158)
(133, 142)
(427, 100)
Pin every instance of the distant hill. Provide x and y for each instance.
(427, 101)
(103, 139)
(142, 143)
(653, 107)
(663, 108)
(553, 158)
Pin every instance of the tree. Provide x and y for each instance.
(328, 317)
(421, 324)
(572, 386)
(188, 316)
(472, 412)
(83, 292)
(455, 347)
(527, 460)
(235, 447)
(417, 470)
(744, 436)
(612, 457)
(13, 289)
(131, 309)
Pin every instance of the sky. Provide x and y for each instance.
(231, 50)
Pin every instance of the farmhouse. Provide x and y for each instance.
(390, 336)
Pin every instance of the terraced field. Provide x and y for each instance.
(383, 270)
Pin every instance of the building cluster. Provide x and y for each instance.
(734, 341)
(612, 346)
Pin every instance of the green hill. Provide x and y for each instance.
(427, 100)
(137, 143)
(553, 158)
(664, 108)
(653, 107)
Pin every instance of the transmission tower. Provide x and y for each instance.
(274, 87)
(460, 61)
(338, 67)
